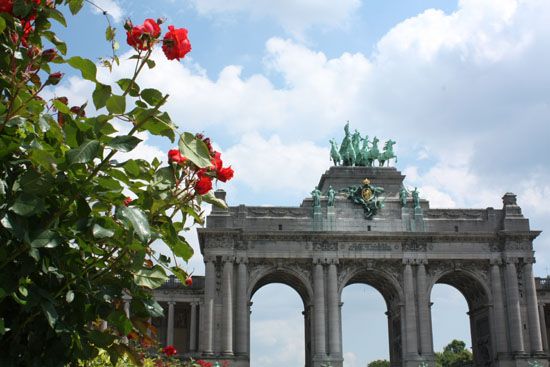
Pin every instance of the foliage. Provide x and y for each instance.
(379, 363)
(76, 221)
(454, 354)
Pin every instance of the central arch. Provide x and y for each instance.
(386, 283)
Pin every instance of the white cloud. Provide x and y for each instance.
(112, 7)
(294, 15)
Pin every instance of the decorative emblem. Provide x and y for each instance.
(368, 196)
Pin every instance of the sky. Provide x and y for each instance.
(462, 86)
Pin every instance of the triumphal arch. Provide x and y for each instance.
(361, 225)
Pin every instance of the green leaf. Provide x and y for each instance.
(131, 167)
(86, 152)
(124, 143)
(180, 246)
(61, 107)
(179, 273)
(58, 16)
(163, 178)
(21, 8)
(150, 278)
(151, 96)
(2, 327)
(86, 67)
(27, 205)
(75, 6)
(210, 198)
(2, 27)
(110, 33)
(153, 307)
(137, 219)
(150, 63)
(100, 95)
(47, 239)
(116, 104)
(109, 183)
(195, 150)
(130, 86)
(50, 313)
(69, 297)
(157, 125)
(100, 232)
(101, 339)
(120, 321)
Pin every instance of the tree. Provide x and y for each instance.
(76, 221)
(454, 354)
(379, 363)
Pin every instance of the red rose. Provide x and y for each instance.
(127, 201)
(175, 156)
(225, 174)
(142, 37)
(217, 162)
(27, 29)
(169, 350)
(175, 43)
(204, 363)
(203, 185)
(6, 6)
(189, 281)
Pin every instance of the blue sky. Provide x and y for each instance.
(462, 86)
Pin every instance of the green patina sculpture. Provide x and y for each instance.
(331, 193)
(534, 364)
(368, 196)
(387, 154)
(416, 198)
(403, 196)
(316, 195)
(354, 153)
(334, 154)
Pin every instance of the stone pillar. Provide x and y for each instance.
(426, 345)
(242, 314)
(227, 302)
(499, 320)
(319, 308)
(410, 311)
(208, 312)
(193, 328)
(170, 327)
(126, 300)
(514, 311)
(335, 348)
(532, 307)
(542, 318)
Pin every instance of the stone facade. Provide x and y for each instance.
(487, 254)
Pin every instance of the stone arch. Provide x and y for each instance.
(281, 274)
(472, 284)
(384, 281)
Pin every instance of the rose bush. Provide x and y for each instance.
(76, 221)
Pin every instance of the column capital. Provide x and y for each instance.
(511, 260)
(408, 261)
(319, 261)
(209, 258)
(241, 260)
(333, 261)
(422, 261)
(171, 302)
(496, 261)
(228, 258)
(529, 260)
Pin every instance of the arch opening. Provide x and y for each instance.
(364, 325)
(278, 325)
(476, 295)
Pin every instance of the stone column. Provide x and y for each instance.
(498, 308)
(514, 311)
(242, 314)
(532, 307)
(426, 345)
(193, 328)
(208, 312)
(319, 306)
(333, 311)
(127, 300)
(543, 328)
(410, 310)
(170, 327)
(227, 307)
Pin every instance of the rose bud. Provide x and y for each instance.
(127, 201)
(49, 54)
(189, 281)
(128, 25)
(54, 78)
(33, 51)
